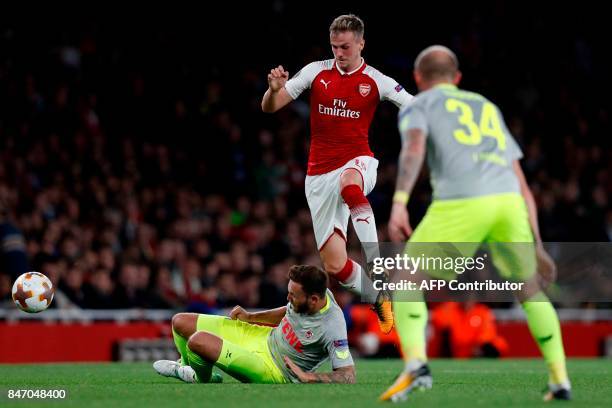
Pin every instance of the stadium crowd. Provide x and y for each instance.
(142, 173)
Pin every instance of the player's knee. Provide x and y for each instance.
(203, 344)
(184, 324)
(334, 265)
(351, 177)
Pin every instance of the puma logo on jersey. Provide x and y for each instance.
(325, 83)
(364, 219)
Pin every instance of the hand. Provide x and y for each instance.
(277, 78)
(299, 373)
(399, 224)
(238, 313)
(547, 270)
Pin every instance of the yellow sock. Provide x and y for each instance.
(546, 330)
(410, 322)
(557, 373)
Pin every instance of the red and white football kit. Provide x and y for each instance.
(342, 105)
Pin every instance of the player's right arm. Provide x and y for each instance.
(411, 158)
(272, 316)
(413, 129)
(276, 97)
(282, 91)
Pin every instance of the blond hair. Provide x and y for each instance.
(347, 22)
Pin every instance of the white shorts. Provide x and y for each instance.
(328, 210)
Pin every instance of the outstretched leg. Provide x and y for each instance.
(362, 216)
(337, 264)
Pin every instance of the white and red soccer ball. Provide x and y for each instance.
(33, 292)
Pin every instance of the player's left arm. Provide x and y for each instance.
(272, 317)
(398, 96)
(529, 201)
(340, 375)
(390, 90)
(546, 265)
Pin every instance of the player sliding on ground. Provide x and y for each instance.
(306, 332)
(480, 195)
(344, 94)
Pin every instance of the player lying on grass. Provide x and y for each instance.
(274, 346)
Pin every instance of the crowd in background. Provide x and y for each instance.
(138, 167)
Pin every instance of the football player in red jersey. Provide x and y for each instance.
(345, 92)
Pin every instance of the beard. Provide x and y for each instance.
(301, 308)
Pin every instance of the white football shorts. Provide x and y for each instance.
(328, 210)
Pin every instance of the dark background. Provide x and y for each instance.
(136, 162)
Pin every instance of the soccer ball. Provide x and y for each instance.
(33, 292)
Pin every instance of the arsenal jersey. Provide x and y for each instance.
(342, 105)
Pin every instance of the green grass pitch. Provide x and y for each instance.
(457, 383)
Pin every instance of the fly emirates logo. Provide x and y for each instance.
(339, 109)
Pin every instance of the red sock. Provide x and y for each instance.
(354, 198)
(346, 271)
(363, 220)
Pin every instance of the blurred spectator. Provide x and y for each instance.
(99, 290)
(13, 258)
(273, 288)
(134, 288)
(464, 330)
(6, 300)
(72, 285)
